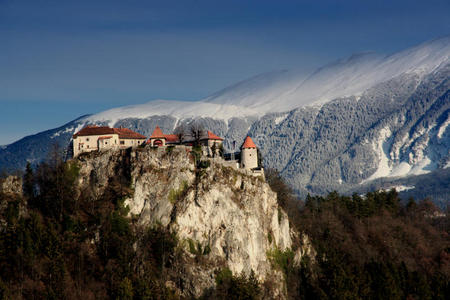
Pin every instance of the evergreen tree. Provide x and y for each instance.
(28, 182)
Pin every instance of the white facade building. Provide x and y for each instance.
(98, 138)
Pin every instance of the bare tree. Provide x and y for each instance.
(196, 132)
(180, 132)
(214, 149)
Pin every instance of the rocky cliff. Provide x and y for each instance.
(222, 216)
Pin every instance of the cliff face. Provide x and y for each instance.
(224, 215)
(11, 185)
(10, 190)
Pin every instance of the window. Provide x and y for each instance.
(87, 139)
(87, 146)
(106, 143)
(122, 142)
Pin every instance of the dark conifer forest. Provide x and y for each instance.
(367, 247)
(374, 246)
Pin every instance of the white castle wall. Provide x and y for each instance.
(90, 143)
(249, 158)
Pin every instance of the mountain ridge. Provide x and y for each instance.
(281, 91)
(398, 122)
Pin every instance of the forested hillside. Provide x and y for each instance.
(366, 247)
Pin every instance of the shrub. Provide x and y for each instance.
(203, 164)
(169, 149)
(197, 249)
(229, 286)
(176, 194)
(282, 259)
(269, 237)
(125, 290)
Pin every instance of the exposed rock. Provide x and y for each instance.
(11, 193)
(11, 185)
(222, 215)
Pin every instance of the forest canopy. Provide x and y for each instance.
(371, 246)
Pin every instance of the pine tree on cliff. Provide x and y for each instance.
(28, 182)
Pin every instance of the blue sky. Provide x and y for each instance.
(62, 59)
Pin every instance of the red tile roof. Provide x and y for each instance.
(157, 133)
(248, 143)
(94, 130)
(212, 136)
(171, 138)
(124, 133)
(105, 137)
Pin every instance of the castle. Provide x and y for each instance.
(249, 154)
(99, 138)
(210, 143)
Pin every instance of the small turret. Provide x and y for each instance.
(157, 138)
(249, 154)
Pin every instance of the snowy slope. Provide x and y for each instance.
(261, 90)
(346, 77)
(286, 90)
(177, 109)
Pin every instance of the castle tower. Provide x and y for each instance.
(249, 154)
(157, 138)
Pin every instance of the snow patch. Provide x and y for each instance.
(79, 127)
(58, 133)
(401, 169)
(400, 188)
(280, 119)
(386, 168)
(424, 166)
(381, 147)
(443, 128)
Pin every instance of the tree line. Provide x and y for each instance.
(56, 245)
(372, 246)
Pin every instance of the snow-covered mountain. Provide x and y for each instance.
(344, 126)
(286, 90)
